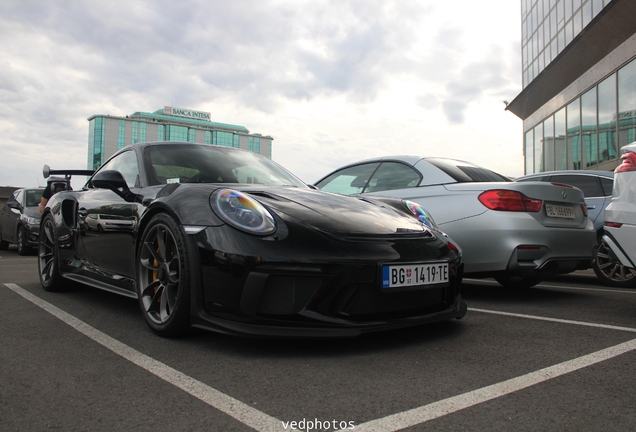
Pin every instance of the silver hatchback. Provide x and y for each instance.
(518, 233)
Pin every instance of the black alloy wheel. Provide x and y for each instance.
(163, 277)
(610, 271)
(23, 247)
(48, 266)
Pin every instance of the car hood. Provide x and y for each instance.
(336, 213)
(33, 212)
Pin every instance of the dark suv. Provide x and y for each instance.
(597, 188)
(20, 220)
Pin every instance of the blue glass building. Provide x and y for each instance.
(107, 134)
(578, 102)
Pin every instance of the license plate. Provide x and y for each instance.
(560, 211)
(407, 275)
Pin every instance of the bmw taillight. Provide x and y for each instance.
(613, 224)
(629, 163)
(508, 200)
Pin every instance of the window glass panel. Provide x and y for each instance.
(590, 185)
(529, 151)
(349, 180)
(587, 13)
(463, 172)
(568, 8)
(627, 104)
(574, 134)
(588, 127)
(176, 133)
(33, 197)
(560, 153)
(607, 186)
(548, 144)
(121, 134)
(607, 119)
(223, 138)
(538, 148)
(126, 164)
(391, 176)
(577, 23)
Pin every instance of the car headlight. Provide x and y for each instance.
(32, 221)
(419, 212)
(243, 212)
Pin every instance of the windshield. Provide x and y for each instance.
(184, 163)
(33, 197)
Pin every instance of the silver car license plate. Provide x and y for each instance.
(407, 275)
(560, 211)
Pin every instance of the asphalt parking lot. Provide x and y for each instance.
(556, 357)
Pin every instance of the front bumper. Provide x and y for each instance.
(300, 291)
(33, 234)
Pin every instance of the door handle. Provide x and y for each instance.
(591, 207)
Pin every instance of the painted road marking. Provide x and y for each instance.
(263, 422)
(230, 406)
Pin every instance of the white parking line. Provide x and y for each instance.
(557, 320)
(453, 404)
(230, 406)
(263, 422)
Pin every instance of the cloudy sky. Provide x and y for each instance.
(333, 81)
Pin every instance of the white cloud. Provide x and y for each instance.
(331, 81)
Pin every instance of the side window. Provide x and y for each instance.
(14, 197)
(126, 164)
(393, 175)
(348, 181)
(590, 185)
(607, 185)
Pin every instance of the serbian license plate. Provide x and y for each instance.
(394, 276)
(560, 211)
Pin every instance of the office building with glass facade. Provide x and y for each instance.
(578, 102)
(107, 134)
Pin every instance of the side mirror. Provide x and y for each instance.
(113, 180)
(13, 204)
(109, 179)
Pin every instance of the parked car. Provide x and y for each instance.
(597, 188)
(20, 220)
(516, 232)
(617, 251)
(227, 240)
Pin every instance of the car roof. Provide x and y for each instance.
(629, 147)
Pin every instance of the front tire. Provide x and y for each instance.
(23, 247)
(163, 277)
(610, 271)
(48, 256)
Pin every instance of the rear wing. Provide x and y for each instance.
(57, 184)
(47, 171)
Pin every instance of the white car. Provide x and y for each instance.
(619, 241)
(517, 232)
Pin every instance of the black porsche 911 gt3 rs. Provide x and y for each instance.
(227, 240)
